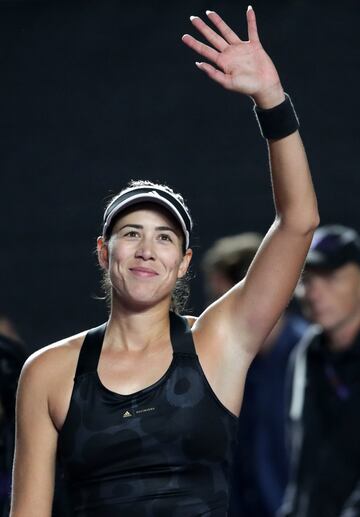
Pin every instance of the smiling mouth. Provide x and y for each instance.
(143, 272)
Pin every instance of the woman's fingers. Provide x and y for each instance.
(202, 49)
(217, 41)
(228, 34)
(215, 74)
(252, 27)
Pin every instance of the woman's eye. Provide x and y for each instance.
(165, 237)
(131, 233)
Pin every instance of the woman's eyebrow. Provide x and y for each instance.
(137, 226)
(141, 227)
(165, 228)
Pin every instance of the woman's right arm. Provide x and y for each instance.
(36, 442)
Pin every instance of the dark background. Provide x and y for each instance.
(96, 93)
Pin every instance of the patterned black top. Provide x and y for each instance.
(163, 451)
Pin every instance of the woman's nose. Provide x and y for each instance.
(145, 250)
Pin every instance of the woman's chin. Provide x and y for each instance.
(139, 301)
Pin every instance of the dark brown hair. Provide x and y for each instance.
(231, 256)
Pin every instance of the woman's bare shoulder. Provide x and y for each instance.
(50, 360)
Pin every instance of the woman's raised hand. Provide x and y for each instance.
(240, 66)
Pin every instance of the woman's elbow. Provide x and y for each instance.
(303, 224)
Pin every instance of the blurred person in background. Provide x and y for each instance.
(324, 401)
(260, 472)
(12, 357)
(13, 353)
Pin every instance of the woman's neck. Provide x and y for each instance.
(138, 329)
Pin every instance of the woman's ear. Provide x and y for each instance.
(185, 262)
(102, 252)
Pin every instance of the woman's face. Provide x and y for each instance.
(144, 256)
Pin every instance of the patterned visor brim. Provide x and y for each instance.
(153, 195)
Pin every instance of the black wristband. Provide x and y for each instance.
(279, 121)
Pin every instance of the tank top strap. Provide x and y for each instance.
(181, 336)
(90, 350)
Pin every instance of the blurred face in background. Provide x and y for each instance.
(332, 297)
(217, 284)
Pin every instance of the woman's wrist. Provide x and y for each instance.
(279, 121)
(269, 98)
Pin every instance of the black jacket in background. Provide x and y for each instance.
(324, 430)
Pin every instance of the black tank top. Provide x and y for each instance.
(164, 451)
